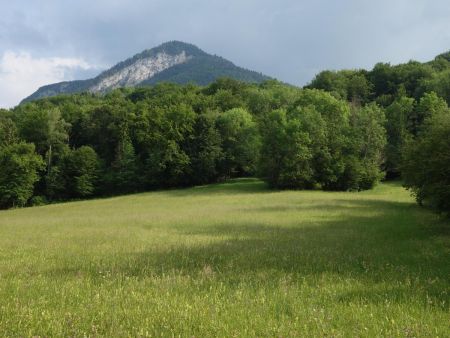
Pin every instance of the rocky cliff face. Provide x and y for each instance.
(139, 71)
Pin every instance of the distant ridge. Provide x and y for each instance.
(173, 61)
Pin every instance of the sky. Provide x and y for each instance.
(48, 41)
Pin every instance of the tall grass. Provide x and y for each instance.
(233, 259)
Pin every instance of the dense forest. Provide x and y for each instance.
(346, 130)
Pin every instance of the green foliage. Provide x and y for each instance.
(387, 79)
(82, 168)
(384, 81)
(240, 142)
(439, 83)
(398, 115)
(404, 90)
(430, 104)
(330, 158)
(286, 157)
(426, 162)
(19, 167)
(366, 143)
(8, 130)
(124, 173)
(347, 84)
(270, 95)
(56, 181)
(104, 127)
(204, 149)
(37, 201)
(43, 126)
(75, 176)
(317, 142)
(167, 129)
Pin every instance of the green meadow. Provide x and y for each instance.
(231, 259)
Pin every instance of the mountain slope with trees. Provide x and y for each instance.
(173, 61)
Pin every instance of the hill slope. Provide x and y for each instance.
(173, 61)
(233, 259)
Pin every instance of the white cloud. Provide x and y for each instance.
(21, 74)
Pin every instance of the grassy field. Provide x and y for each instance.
(233, 259)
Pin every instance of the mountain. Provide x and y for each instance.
(173, 61)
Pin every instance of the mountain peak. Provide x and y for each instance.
(176, 45)
(172, 48)
(172, 61)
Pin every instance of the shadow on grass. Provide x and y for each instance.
(390, 249)
(335, 205)
(358, 246)
(231, 187)
(380, 243)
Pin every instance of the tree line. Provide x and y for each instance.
(344, 131)
(415, 98)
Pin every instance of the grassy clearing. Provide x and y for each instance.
(232, 259)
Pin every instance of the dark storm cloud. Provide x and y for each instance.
(288, 39)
